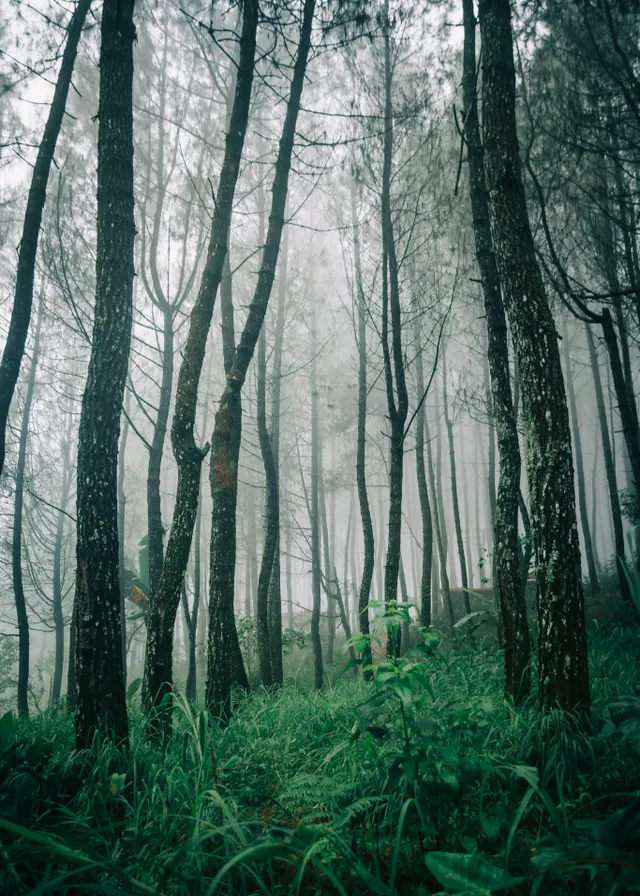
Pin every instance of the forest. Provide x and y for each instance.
(319, 447)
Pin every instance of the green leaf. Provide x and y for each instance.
(117, 782)
(468, 873)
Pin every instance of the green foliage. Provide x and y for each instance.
(423, 781)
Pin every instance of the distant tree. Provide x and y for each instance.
(21, 311)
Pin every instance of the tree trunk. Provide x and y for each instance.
(25, 274)
(275, 589)
(610, 472)
(100, 688)
(423, 494)
(122, 515)
(396, 388)
(509, 587)
(156, 451)
(225, 667)
(58, 617)
(454, 488)
(191, 685)
(577, 447)
(563, 673)
(271, 522)
(16, 549)
(316, 571)
(189, 457)
(442, 551)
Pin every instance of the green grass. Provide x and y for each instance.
(349, 791)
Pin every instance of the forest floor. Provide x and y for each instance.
(422, 782)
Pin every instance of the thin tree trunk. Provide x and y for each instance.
(191, 685)
(423, 493)
(225, 666)
(275, 587)
(18, 510)
(610, 472)
(58, 617)
(563, 673)
(364, 594)
(316, 572)
(122, 515)
(454, 488)
(189, 457)
(100, 688)
(442, 551)
(395, 381)
(577, 447)
(271, 522)
(25, 274)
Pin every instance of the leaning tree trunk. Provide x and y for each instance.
(582, 490)
(361, 448)
(18, 509)
(610, 472)
(563, 672)
(25, 274)
(225, 667)
(509, 588)
(189, 457)
(100, 687)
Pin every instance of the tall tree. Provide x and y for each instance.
(361, 444)
(224, 663)
(579, 466)
(395, 380)
(18, 513)
(100, 688)
(189, 457)
(25, 274)
(563, 673)
(507, 576)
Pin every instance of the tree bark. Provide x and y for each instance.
(395, 381)
(275, 588)
(610, 472)
(509, 587)
(18, 511)
(100, 688)
(225, 666)
(577, 447)
(58, 617)
(454, 488)
(25, 274)
(189, 457)
(563, 673)
(423, 493)
(271, 522)
(316, 571)
(364, 593)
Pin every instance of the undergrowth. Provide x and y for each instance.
(423, 782)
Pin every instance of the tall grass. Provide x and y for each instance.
(300, 795)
